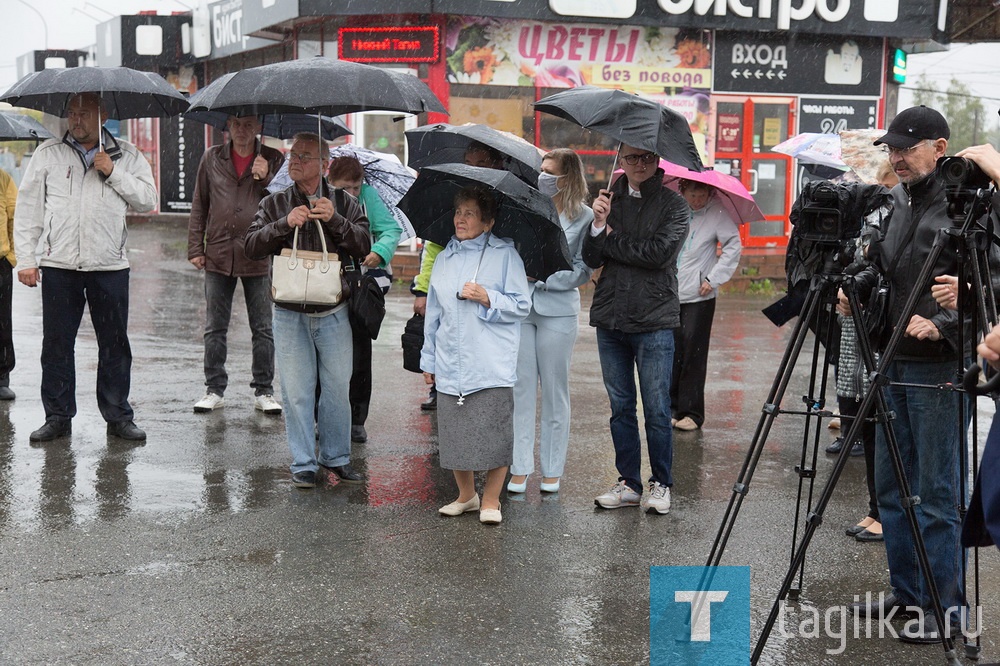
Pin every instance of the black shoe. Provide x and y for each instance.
(835, 446)
(306, 479)
(882, 607)
(925, 632)
(126, 430)
(359, 434)
(53, 429)
(857, 449)
(347, 474)
(6, 393)
(864, 536)
(854, 530)
(431, 404)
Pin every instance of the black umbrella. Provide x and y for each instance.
(628, 118)
(317, 85)
(19, 127)
(443, 144)
(126, 93)
(281, 125)
(524, 215)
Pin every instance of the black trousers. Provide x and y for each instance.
(849, 407)
(687, 381)
(6, 323)
(361, 378)
(64, 295)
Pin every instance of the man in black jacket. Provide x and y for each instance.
(639, 226)
(925, 423)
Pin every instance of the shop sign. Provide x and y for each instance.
(182, 144)
(768, 63)
(529, 53)
(389, 44)
(729, 133)
(227, 30)
(828, 116)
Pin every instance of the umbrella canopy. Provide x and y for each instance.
(443, 144)
(317, 85)
(628, 118)
(19, 127)
(524, 215)
(281, 125)
(859, 153)
(729, 191)
(813, 148)
(383, 172)
(126, 93)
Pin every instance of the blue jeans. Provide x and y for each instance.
(653, 354)
(927, 431)
(219, 291)
(310, 349)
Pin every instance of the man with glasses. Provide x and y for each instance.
(232, 179)
(639, 226)
(925, 425)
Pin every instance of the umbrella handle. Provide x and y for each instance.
(476, 274)
(612, 176)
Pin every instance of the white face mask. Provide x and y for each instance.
(548, 184)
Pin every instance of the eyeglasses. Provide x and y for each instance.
(632, 160)
(889, 150)
(301, 157)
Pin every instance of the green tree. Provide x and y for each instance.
(970, 122)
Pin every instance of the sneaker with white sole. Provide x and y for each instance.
(658, 499)
(267, 404)
(619, 496)
(210, 402)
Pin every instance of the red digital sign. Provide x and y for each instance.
(389, 44)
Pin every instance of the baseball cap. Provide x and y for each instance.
(913, 125)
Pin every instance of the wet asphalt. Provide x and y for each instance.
(195, 548)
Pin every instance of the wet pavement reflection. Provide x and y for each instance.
(195, 548)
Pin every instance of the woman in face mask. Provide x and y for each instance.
(548, 334)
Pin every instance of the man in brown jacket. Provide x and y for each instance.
(232, 179)
(8, 197)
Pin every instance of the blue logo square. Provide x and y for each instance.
(699, 615)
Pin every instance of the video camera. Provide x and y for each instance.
(963, 179)
(830, 213)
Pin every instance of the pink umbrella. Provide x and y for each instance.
(730, 191)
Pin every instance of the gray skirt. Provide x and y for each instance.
(479, 434)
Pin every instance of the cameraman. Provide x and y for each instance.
(925, 425)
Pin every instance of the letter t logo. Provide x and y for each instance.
(701, 611)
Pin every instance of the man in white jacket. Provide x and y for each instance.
(70, 227)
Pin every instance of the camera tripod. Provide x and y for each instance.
(973, 244)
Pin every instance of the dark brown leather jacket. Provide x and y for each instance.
(346, 233)
(223, 208)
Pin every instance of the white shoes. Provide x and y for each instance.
(517, 487)
(549, 487)
(619, 496)
(210, 402)
(267, 404)
(658, 499)
(490, 516)
(687, 424)
(457, 508)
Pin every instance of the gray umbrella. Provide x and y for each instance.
(318, 85)
(19, 127)
(126, 93)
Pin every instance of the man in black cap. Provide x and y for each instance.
(925, 423)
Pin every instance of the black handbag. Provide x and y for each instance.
(366, 302)
(413, 341)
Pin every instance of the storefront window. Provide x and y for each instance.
(506, 108)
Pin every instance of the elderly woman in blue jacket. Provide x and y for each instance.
(477, 298)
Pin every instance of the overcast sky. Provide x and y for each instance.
(70, 24)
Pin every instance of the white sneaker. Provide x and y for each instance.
(210, 402)
(620, 495)
(658, 499)
(267, 404)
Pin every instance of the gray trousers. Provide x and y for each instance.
(543, 357)
(219, 291)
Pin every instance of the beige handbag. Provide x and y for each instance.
(302, 277)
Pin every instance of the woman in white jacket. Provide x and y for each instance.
(549, 332)
(701, 270)
(477, 297)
